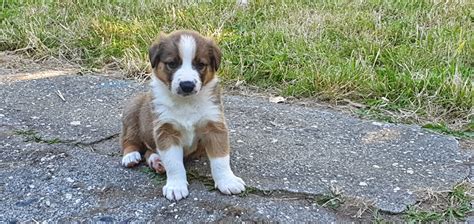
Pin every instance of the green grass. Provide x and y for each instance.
(158, 178)
(449, 206)
(32, 136)
(412, 60)
(442, 128)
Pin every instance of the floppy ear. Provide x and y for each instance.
(154, 54)
(216, 55)
(155, 51)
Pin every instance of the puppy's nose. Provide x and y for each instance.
(187, 86)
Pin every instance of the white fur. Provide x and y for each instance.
(176, 187)
(224, 178)
(133, 157)
(187, 50)
(152, 158)
(185, 112)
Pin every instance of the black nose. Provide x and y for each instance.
(187, 86)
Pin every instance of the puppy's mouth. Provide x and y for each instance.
(186, 94)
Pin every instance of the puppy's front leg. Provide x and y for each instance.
(176, 187)
(216, 142)
(168, 141)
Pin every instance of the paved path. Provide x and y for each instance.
(59, 159)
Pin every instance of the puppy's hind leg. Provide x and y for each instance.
(131, 157)
(153, 160)
(131, 147)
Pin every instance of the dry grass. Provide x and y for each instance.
(441, 206)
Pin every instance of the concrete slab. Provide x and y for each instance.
(65, 183)
(89, 112)
(276, 147)
(306, 150)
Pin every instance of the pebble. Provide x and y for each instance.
(68, 196)
(75, 123)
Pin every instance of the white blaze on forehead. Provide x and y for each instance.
(187, 49)
(187, 52)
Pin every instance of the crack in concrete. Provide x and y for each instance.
(33, 136)
(100, 140)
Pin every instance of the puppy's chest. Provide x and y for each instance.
(187, 117)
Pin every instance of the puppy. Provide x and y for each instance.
(182, 115)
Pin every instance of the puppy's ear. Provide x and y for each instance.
(215, 54)
(155, 51)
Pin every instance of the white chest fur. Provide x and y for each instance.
(185, 112)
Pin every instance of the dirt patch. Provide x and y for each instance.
(12, 63)
(383, 135)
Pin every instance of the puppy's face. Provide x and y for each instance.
(185, 61)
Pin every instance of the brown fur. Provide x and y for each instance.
(142, 131)
(215, 139)
(167, 136)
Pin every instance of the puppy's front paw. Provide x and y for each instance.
(230, 184)
(175, 190)
(131, 159)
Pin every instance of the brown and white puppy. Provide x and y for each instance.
(181, 116)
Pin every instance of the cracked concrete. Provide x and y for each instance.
(276, 147)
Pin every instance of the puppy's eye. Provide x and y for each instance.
(200, 66)
(172, 65)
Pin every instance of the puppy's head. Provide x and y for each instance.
(185, 61)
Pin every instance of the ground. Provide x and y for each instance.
(60, 158)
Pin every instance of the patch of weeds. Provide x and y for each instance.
(378, 218)
(253, 190)
(442, 206)
(443, 128)
(352, 206)
(332, 200)
(423, 216)
(32, 136)
(376, 114)
(158, 178)
(207, 181)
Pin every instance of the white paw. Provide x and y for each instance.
(175, 190)
(131, 159)
(230, 184)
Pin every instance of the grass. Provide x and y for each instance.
(32, 136)
(449, 206)
(409, 60)
(158, 178)
(468, 132)
(191, 175)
